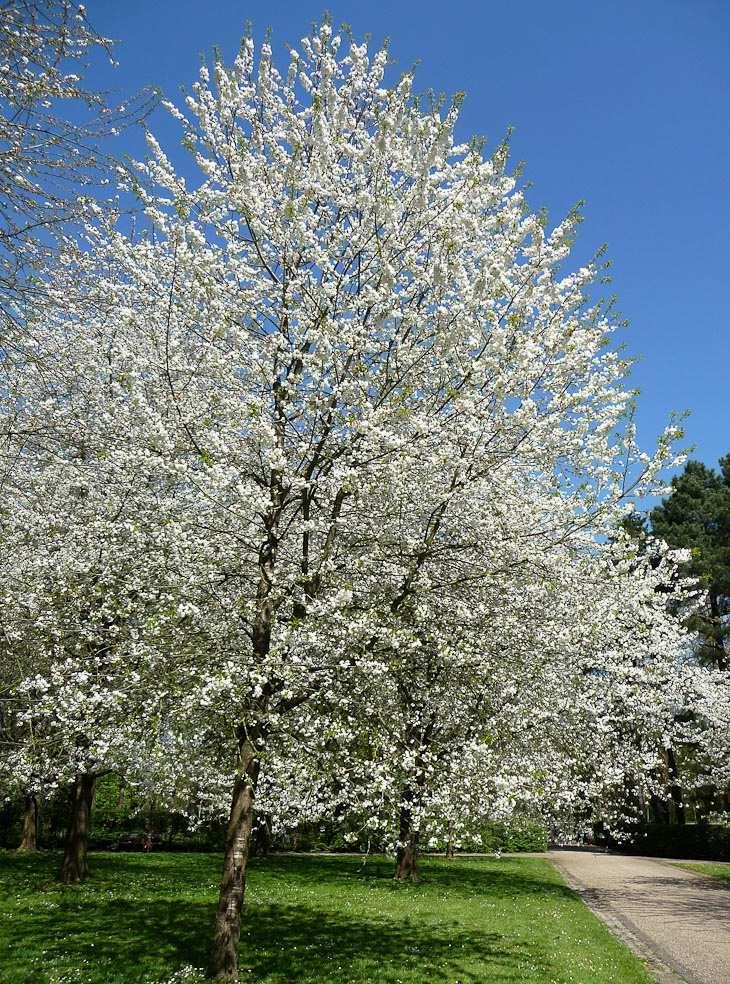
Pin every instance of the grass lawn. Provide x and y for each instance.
(329, 920)
(714, 870)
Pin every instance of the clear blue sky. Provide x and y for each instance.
(623, 104)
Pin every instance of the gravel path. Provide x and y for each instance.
(676, 920)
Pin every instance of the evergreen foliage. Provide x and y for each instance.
(696, 516)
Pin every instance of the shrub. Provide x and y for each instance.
(694, 841)
(513, 838)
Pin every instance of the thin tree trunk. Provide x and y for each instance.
(261, 836)
(675, 789)
(240, 821)
(450, 843)
(29, 839)
(235, 860)
(74, 867)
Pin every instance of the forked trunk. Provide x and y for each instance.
(240, 821)
(235, 860)
(74, 867)
(29, 839)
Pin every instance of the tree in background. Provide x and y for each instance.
(52, 132)
(696, 516)
(54, 160)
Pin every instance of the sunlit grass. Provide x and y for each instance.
(330, 920)
(713, 870)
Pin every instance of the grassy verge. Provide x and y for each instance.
(721, 871)
(330, 920)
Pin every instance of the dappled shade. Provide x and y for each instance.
(324, 919)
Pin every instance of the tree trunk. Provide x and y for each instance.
(240, 821)
(450, 844)
(29, 839)
(659, 809)
(675, 789)
(406, 864)
(74, 867)
(261, 836)
(235, 860)
(406, 860)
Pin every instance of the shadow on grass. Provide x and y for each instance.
(180, 873)
(133, 916)
(502, 878)
(282, 943)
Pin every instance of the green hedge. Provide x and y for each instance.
(693, 841)
(514, 838)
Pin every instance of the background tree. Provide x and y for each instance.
(53, 127)
(696, 516)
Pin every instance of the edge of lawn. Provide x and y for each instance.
(719, 871)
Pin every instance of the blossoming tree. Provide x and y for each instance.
(343, 366)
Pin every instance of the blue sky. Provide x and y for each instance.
(625, 105)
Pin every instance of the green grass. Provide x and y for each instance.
(329, 920)
(714, 870)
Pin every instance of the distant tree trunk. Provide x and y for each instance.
(261, 836)
(29, 839)
(235, 860)
(450, 843)
(675, 789)
(658, 805)
(659, 809)
(406, 860)
(74, 867)
(406, 864)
